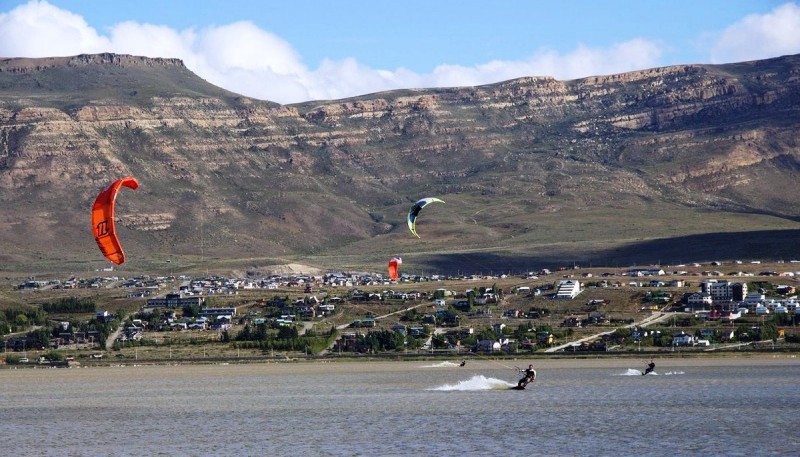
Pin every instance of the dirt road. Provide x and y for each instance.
(651, 319)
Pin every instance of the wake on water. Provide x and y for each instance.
(442, 365)
(635, 372)
(478, 382)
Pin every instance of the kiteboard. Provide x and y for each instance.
(517, 388)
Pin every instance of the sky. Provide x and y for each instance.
(301, 50)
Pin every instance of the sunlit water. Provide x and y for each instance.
(593, 407)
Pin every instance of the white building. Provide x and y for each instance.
(724, 291)
(699, 299)
(568, 289)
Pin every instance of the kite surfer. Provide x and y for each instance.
(650, 367)
(463, 362)
(528, 376)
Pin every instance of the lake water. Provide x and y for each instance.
(723, 406)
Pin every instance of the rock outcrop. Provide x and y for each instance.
(234, 176)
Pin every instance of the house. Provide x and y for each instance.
(545, 338)
(216, 312)
(487, 346)
(133, 333)
(598, 345)
(568, 289)
(571, 321)
(645, 272)
(784, 289)
(179, 325)
(724, 291)
(699, 300)
(306, 311)
(326, 309)
(222, 323)
(175, 301)
(399, 328)
(730, 316)
(197, 325)
(754, 298)
(346, 342)
(682, 339)
(597, 317)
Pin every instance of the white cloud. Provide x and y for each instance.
(38, 29)
(584, 61)
(755, 37)
(150, 40)
(245, 59)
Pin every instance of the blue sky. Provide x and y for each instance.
(293, 51)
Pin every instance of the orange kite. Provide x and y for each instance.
(105, 232)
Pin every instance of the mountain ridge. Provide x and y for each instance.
(524, 165)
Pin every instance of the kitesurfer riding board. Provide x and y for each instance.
(650, 367)
(528, 376)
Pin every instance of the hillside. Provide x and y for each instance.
(667, 164)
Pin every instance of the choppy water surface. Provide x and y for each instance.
(721, 406)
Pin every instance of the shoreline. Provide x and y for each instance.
(471, 358)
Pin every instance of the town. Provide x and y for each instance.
(568, 310)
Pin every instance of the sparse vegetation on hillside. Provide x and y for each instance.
(665, 165)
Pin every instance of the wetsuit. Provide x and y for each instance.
(650, 367)
(530, 375)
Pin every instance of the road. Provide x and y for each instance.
(309, 325)
(344, 326)
(653, 318)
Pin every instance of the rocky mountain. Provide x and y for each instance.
(661, 165)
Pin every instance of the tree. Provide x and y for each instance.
(71, 305)
(191, 310)
(39, 338)
(487, 334)
(769, 331)
(54, 356)
(411, 315)
(522, 331)
(287, 333)
(21, 321)
(623, 332)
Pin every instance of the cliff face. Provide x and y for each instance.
(236, 177)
